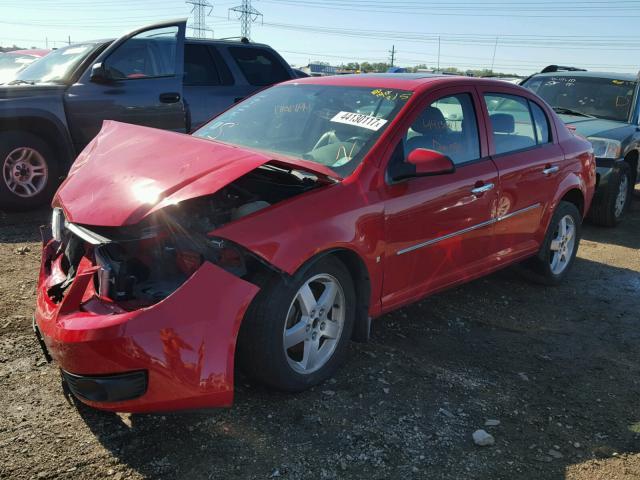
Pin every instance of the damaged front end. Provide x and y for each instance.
(162, 299)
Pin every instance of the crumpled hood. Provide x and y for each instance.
(129, 171)
(591, 127)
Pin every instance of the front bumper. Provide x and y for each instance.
(184, 345)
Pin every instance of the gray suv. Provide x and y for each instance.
(604, 108)
(152, 76)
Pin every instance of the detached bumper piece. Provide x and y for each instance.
(107, 388)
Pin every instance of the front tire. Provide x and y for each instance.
(295, 333)
(29, 171)
(558, 251)
(611, 202)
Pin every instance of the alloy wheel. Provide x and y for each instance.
(314, 324)
(563, 244)
(25, 172)
(621, 198)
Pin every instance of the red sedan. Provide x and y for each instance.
(271, 236)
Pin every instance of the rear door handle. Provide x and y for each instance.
(550, 169)
(482, 189)
(170, 97)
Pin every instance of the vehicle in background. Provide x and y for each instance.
(604, 108)
(270, 237)
(15, 60)
(152, 76)
(299, 73)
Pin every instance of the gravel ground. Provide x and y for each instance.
(557, 367)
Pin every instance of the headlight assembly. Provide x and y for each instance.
(605, 147)
(57, 224)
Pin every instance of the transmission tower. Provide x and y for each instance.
(247, 15)
(199, 11)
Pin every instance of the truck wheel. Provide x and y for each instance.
(295, 333)
(558, 251)
(29, 171)
(612, 200)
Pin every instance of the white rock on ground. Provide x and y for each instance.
(482, 438)
(492, 423)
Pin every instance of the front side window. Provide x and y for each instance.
(447, 126)
(260, 67)
(147, 55)
(607, 98)
(331, 125)
(511, 123)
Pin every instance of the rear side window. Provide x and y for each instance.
(511, 122)
(259, 66)
(199, 68)
(541, 123)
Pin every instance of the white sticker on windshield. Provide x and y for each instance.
(359, 120)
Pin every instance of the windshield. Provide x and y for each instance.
(11, 63)
(57, 66)
(330, 125)
(600, 97)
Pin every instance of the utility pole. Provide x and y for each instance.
(493, 60)
(438, 69)
(199, 11)
(393, 54)
(247, 15)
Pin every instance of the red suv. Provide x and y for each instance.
(272, 235)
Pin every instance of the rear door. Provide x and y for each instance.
(143, 84)
(530, 162)
(209, 86)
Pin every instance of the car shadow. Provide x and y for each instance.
(23, 227)
(627, 234)
(559, 376)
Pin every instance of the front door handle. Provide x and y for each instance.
(482, 189)
(170, 97)
(550, 169)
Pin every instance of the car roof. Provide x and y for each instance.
(398, 81)
(583, 73)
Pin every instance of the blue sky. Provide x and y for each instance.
(596, 34)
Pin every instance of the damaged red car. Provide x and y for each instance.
(270, 238)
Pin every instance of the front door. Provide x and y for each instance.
(529, 161)
(140, 82)
(438, 229)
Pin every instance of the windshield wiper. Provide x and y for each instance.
(568, 111)
(21, 82)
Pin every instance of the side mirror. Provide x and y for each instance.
(429, 162)
(99, 74)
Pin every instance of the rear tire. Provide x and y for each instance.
(609, 205)
(558, 251)
(29, 171)
(281, 328)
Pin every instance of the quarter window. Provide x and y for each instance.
(541, 123)
(511, 122)
(447, 126)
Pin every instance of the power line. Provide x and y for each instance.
(248, 15)
(199, 11)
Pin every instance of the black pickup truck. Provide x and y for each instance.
(152, 76)
(604, 108)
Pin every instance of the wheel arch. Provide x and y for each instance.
(46, 127)
(632, 158)
(575, 196)
(361, 278)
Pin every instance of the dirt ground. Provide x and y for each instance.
(558, 367)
